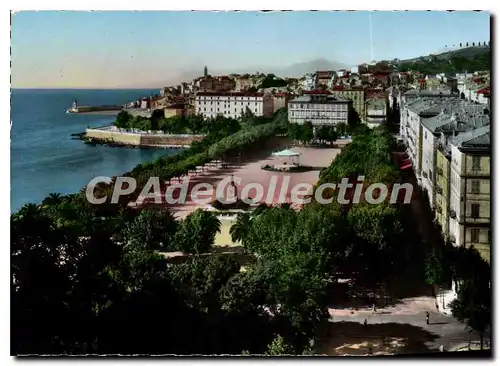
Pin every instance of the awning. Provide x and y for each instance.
(286, 153)
(406, 167)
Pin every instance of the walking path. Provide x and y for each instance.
(393, 330)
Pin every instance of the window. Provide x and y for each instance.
(476, 163)
(474, 235)
(475, 186)
(474, 208)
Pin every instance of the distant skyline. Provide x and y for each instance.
(64, 49)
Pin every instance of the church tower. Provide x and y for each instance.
(205, 71)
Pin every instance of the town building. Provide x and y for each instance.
(219, 84)
(470, 189)
(376, 111)
(324, 78)
(448, 141)
(243, 83)
(280, 100)
(381, 78)
(233, 104)
(356, 95)
(320, 108)
(438, 131)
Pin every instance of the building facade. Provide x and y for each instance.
(357, 96)
(233, 104)
(443, 166)
(324, 78)
(470, 189)
(376, 111)
(319, 109)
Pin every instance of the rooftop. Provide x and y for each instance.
(321, 98)
(478, 139)
(376, 102)
(230, 94)
(429, 93)
(431, 105)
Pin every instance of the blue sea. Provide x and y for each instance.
(44, 159)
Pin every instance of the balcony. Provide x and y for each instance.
(453, 214)
(439, 190)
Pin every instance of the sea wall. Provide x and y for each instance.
(169, 140)
(99, 135)
(112, 135)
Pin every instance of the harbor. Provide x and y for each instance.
(108, 110)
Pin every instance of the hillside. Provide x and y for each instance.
(466, 52)
(456, 61)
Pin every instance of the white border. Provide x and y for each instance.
(178, 5)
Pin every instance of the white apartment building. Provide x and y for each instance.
(319, 108)
(470, 188)
(232, 104)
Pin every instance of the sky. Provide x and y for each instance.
(109, 49)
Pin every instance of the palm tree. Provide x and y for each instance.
(239, 230)
(28, 210)
(53, 199)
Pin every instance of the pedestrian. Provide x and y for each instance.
(441, 348)
(427, 317)
(365, 323)
(437, 307)
(374, 309)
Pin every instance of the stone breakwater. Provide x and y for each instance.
(111, 135)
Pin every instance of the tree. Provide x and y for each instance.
(53, 199)
(123, 119)
(197, 232)
(239, 230)
(156, 116)
(353, 119)
(307, 132)
(152, 229)
(437, 267)
(278, 347)
(473, 306)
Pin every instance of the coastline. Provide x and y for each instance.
(112, 136)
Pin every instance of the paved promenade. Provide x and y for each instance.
(399, 329)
